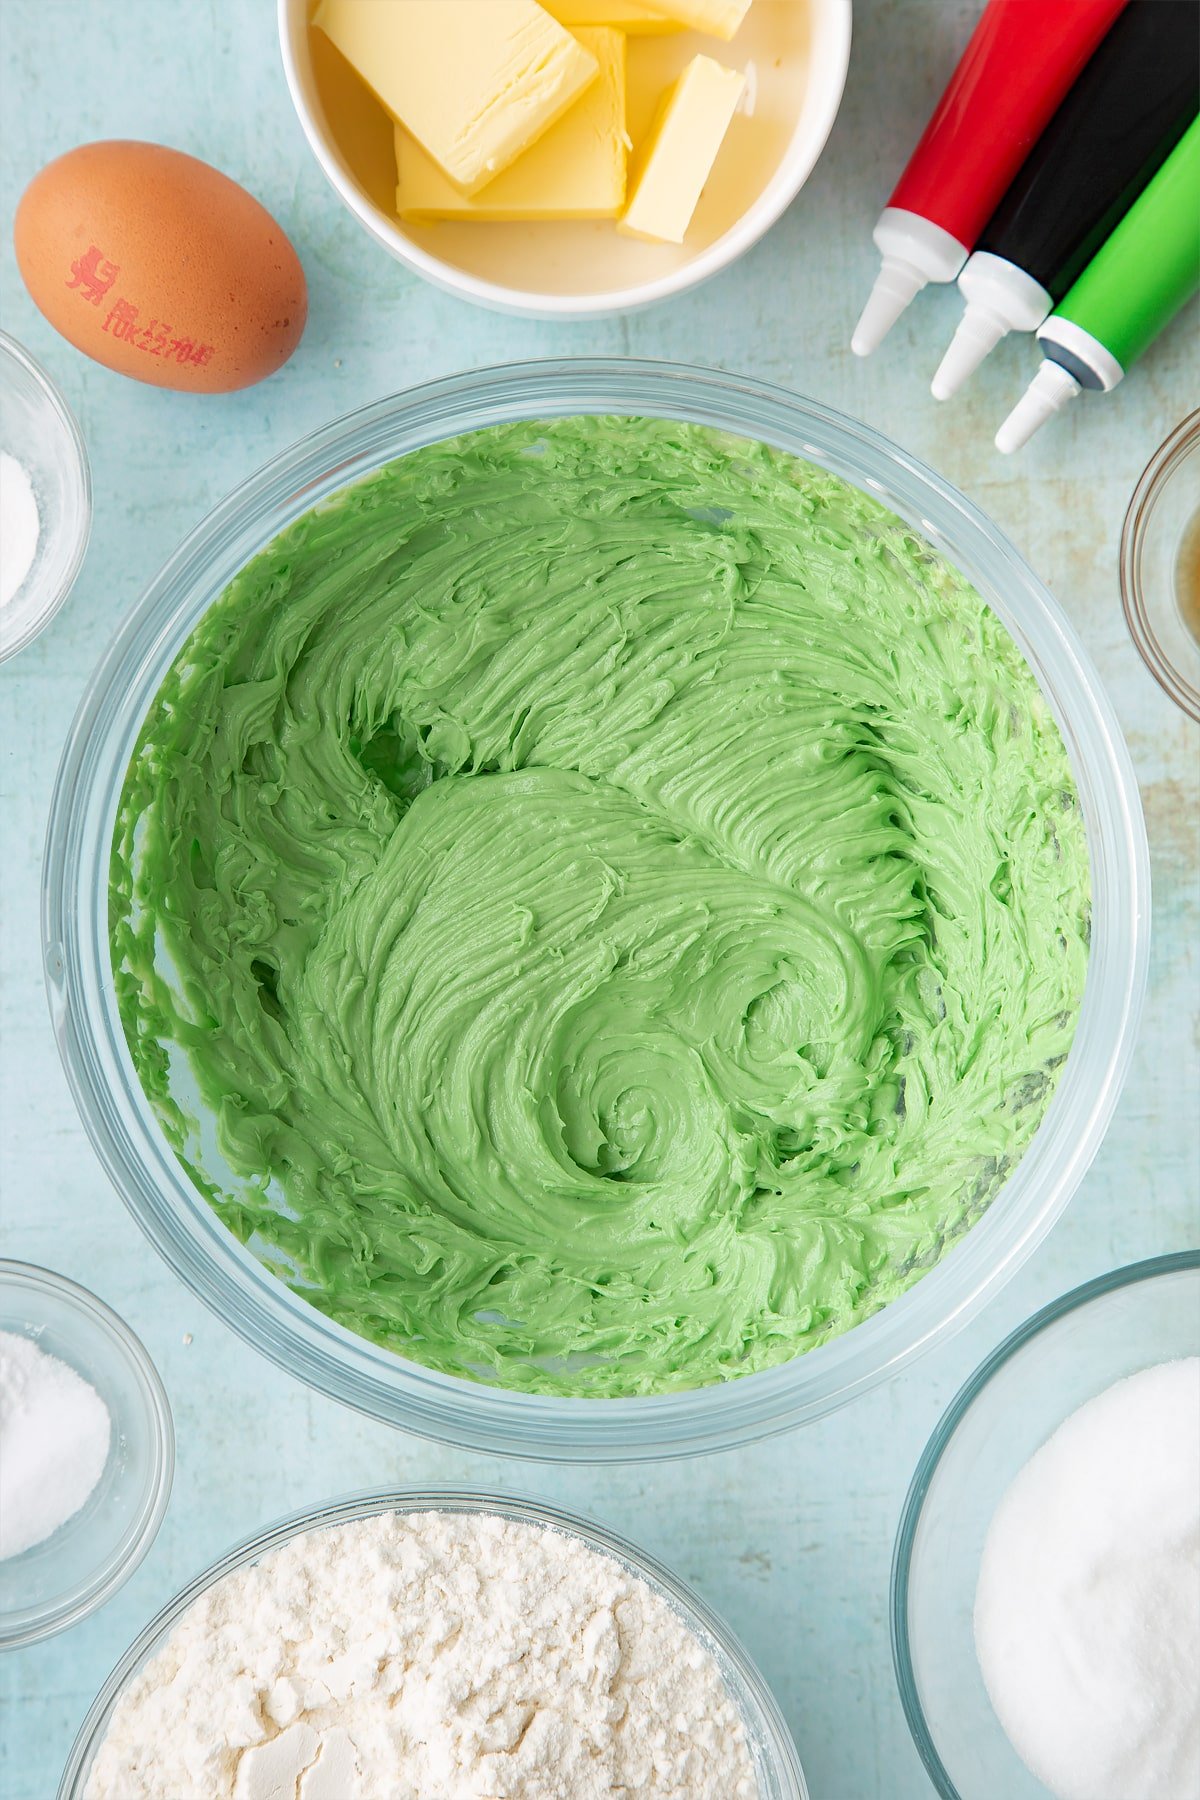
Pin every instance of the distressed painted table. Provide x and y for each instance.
(791, 1540)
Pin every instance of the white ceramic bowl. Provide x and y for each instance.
(39, 429)
(800, 50)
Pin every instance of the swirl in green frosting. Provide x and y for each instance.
(621, 895)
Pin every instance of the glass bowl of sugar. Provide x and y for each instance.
(45, 498)
(1047, 1565)
(87, 1453)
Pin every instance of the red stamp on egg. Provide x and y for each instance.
(93, 275)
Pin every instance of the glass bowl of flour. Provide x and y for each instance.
(87, 1453)
(1047, 1565)
(45, 498)
(445, 1643)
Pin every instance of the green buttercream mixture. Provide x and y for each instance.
(620, 895)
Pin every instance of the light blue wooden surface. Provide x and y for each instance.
(790, 1540)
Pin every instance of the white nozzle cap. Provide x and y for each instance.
(914, 251)
(979, 331)
(1000, 298)
(896, 285)
(1049, 391)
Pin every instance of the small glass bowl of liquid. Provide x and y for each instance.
(1160, 565)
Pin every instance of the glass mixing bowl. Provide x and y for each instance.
(256, 1303)
(776, 1763)
(1066, 1354)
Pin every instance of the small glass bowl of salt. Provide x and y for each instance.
(45, 498)
(87, 1453)
(1046, 1567)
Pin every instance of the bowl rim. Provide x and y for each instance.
(694, 1610)
(261, 1308)
(11, 347)
(781, 188)
(31, 1624)
(1150, 1268)
(1141, 610)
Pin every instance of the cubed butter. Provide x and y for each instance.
(630, 16)
(719, 18)
(677, 159)
(576, 170)
(475, 81)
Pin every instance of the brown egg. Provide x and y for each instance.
(160, 267)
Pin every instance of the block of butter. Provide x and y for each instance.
(475, 81)
(630, 16)
(719, 18)
(675, 162)
(576, 170)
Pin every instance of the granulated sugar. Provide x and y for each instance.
(431, 1656)
(1087, 1612)
(54, 1437)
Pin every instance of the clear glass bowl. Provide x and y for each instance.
(1072, 1350)
(1164, 512)
(257, 1304)
(39, 429)
(776, 1763)
(59, 1581)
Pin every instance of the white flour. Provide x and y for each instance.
(1087, 1612)
(19, 526)
(54, 1438)
(433, 1656)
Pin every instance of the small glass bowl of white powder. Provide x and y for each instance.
(438, 1645)
(88, 1453)
(45, 498)
(1047, 1565)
